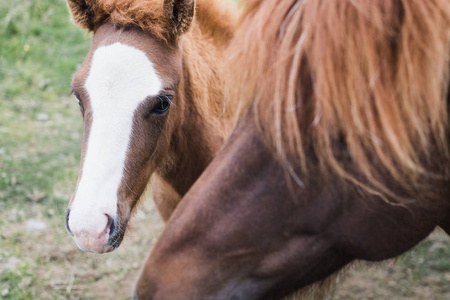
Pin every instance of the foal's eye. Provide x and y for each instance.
(162, 105)
(78, 100)
(79, 103)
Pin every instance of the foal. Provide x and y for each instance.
(150, 92)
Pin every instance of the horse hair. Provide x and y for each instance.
(363, 85)
(152, 16)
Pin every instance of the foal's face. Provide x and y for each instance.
(126, 89)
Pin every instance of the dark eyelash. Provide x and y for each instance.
(78, 100)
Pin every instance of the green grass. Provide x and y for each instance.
(431, 260)
(40, 48)
(422, 273)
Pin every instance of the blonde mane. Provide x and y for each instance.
(356, 88)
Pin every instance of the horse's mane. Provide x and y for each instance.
(356, 88)
(151, 17)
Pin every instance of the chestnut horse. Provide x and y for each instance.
(151, 94)
(340, 152)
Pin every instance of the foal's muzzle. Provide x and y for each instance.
(99, 239)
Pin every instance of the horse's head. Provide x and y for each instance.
(291, 196)
(125, 87)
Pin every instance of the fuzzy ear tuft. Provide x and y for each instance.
(82, 13)
(180, 15)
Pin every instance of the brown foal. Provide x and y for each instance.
(151, 95)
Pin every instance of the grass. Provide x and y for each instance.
(39, 50)
(40, 129)
(40, 136)
(422, 273)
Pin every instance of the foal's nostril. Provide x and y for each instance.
(116, 231)
(112, 226)
(67, 222)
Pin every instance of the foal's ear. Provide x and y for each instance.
(82, 12)
(180, 14)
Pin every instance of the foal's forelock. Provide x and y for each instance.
(120, 78)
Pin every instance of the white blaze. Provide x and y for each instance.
(120, 78)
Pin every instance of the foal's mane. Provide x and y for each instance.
(153, 16)
(356, 88)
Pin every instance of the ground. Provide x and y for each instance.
(40, 133)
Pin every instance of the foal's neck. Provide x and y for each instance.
(202, 127)
(193, 146)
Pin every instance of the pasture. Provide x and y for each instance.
(40, 137)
